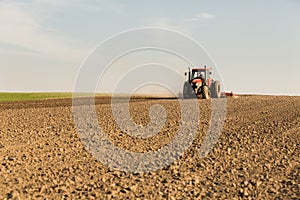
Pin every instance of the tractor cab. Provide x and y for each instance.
(196, 73)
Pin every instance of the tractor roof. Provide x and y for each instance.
(202, 69)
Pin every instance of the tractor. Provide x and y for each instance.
(200, 84)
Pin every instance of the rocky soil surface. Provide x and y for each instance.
(256, 157)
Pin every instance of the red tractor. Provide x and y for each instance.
(200, 84)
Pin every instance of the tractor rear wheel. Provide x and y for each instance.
(187, 91)
(215, 89)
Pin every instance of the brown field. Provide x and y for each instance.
(256, 157)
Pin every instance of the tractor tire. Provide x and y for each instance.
(215, 89)
(187, 91)
(205, 92)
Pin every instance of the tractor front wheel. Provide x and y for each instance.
(205, 92)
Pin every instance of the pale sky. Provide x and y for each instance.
(255, 44)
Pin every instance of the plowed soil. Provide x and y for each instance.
(256, 157)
